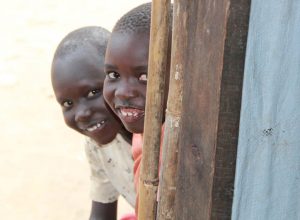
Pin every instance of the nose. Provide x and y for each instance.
(83, 113)
(126, 90)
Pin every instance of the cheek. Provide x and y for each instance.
(98, 104)
(69, 119)
(102, 107)
(108, 93)
(143, 91)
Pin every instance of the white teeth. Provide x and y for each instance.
(94, 127)
(125, 114)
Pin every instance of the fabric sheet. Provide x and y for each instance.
(267, 182)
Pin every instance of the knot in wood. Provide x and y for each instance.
(151, 182)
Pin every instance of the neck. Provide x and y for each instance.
(126, 135)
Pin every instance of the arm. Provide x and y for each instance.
(103, 211)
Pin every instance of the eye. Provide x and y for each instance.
(113, 75)
(93, 93)
(67, 104)
(143, 77)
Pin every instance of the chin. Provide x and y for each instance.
(103, 140)
(133, 129)
(100, 143)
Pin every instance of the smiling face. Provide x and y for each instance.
(78, 82)
(126, 66)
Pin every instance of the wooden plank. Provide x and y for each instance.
(158, 55)
(167, 183)
(212, 83)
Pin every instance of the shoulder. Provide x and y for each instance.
(90, 146)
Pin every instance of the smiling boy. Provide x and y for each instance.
(126, 66)
(77, 79)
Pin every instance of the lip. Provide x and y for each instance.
(130, 114)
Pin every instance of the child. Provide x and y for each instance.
(126, 65)
(77, 79)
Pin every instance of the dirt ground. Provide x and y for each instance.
(43, 170)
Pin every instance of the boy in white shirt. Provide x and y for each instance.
(77, 76)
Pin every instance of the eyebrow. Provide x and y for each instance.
(110, 66)
(61, 100)
(136, 68)
(140, 68)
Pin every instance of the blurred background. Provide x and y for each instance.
(43, 170)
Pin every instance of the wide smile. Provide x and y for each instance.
(129, 114)
(95, 126)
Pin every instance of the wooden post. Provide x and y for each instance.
(158, 51)
(213, 65)
(167, 184)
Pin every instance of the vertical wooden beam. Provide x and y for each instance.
(158, 54)
(230, 104)
(212, 83)
(167, 184)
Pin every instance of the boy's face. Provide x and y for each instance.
(126, 66)
(78, 82)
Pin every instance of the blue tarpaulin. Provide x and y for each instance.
(267, 181)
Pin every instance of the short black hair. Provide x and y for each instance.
(94, 36)
(137, 20)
